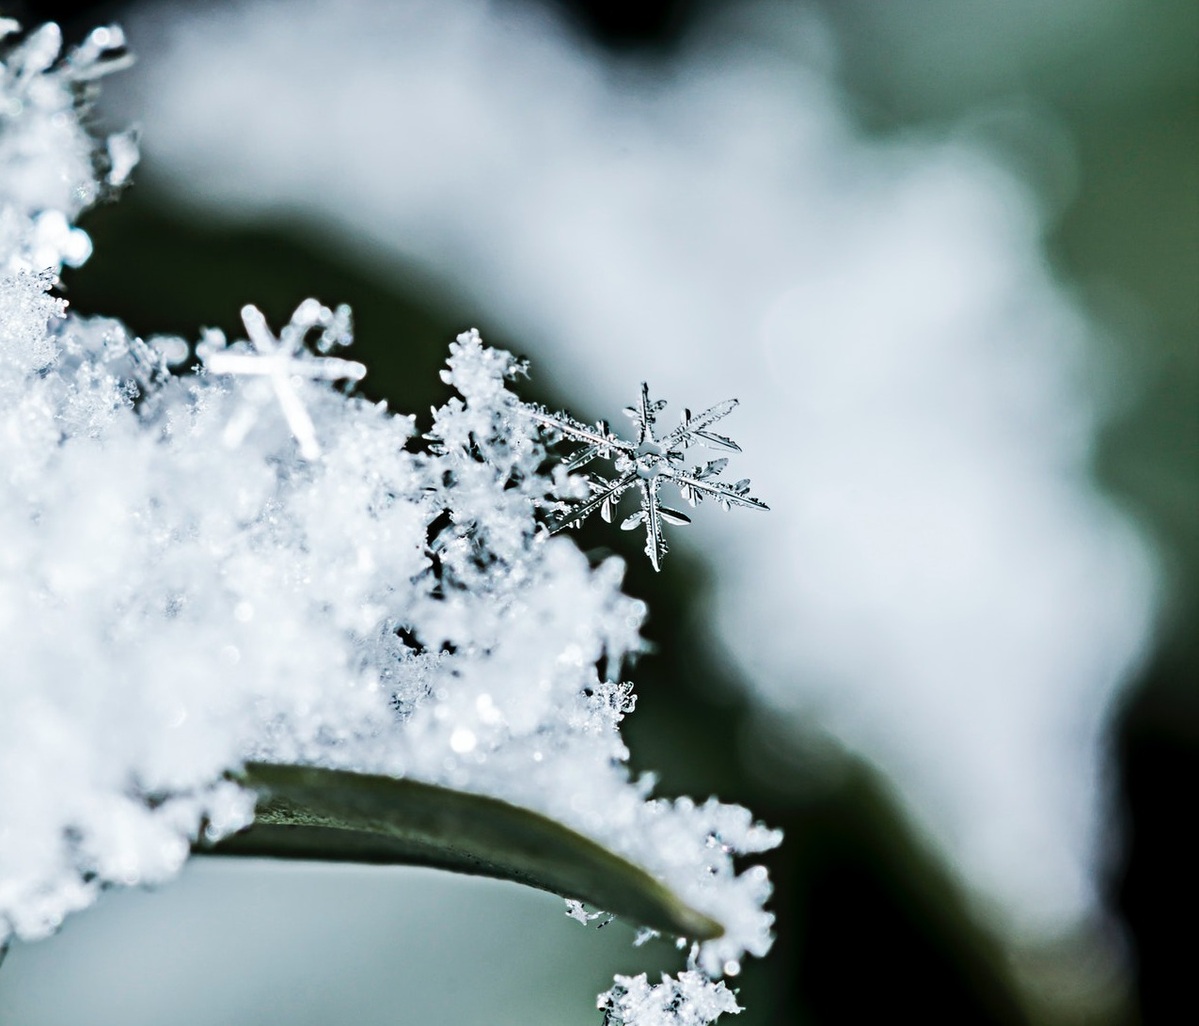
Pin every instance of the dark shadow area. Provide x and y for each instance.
(653, 25)
(1154, 887)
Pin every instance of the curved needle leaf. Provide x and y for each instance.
(306, 812)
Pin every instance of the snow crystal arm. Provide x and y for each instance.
(653, 514)
(236, 363)
(645, 413)
(709, 470)
(694, 428)
(258, 331)
(332, 368)
(583, 457)
(297, 417)
(727, 495)
(655, 542)
(600, 441)
(605, 499)
(333, 815)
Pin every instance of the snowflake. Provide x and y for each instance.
(645, 464)
(285, 361)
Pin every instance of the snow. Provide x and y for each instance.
(940, 586)
(285, 362)
(690, 999)
(184, 587)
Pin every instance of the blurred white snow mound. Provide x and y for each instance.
(245, 562)
(52, 170)
(940, 585)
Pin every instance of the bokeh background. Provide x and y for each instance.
(947, 254)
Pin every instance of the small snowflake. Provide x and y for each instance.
(285, 361)
(645, 464)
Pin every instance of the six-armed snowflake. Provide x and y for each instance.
(645, 464)
(285, 362)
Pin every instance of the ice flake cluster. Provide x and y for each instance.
(691, 999)
(247, 561)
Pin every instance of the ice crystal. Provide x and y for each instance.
(577, 911)
(184, 588)
(690, 999)
(645, 464)
(285, 363)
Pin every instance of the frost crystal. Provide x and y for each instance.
(285, 362)
(577, 911)
(691, 999)
(645, 464)
(183, 589)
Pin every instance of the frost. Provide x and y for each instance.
(690, 999)
(188, 583)
(646, 464)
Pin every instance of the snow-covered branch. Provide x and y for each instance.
(190, 581)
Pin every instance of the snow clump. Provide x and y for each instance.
(246, 561)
